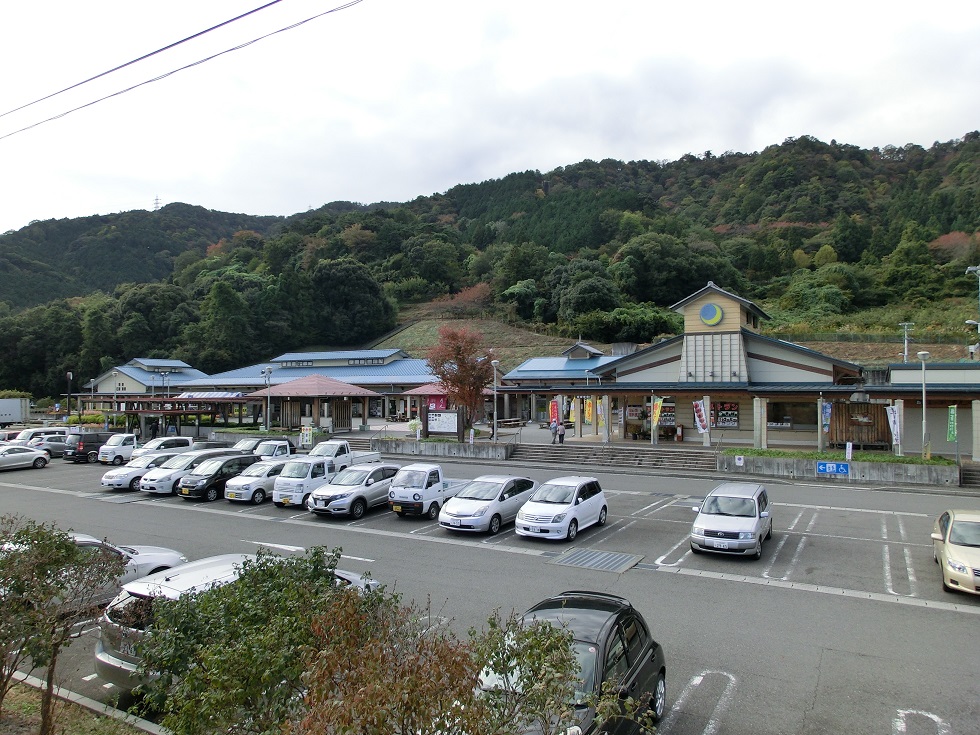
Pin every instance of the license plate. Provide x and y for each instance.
(720, 544)
(233, 495)
(396, 508)
(126, 648)
(286, 501)
(185, 491)
(533, 529)
(454, 521)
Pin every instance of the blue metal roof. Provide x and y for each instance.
(547, 368)
(405, 371)
(340, 355)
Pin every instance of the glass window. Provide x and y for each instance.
(637, 638)
(616, 664)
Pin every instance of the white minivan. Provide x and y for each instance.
(560, 508)
(298, 479)
(118, 449)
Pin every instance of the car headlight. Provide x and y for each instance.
(559, 518)
(480, 511)
(957, 566)
(200, 483)
(416, 497)
(746, 535)
(520, 515)
(338, 496)
(246, 488)
(698, 530)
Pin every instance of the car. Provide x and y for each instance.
(486, 503)
(168, 444)
(85, 447)
(118, 449)
(615, 651)
(164, 479)
(13, 456)
(208, 479)
(254, 485)
(52, 445)
(129, 614)
(24, 436)
(562, 507)
(956, 548)
(128, 476)
(353, 490)
(734, 518)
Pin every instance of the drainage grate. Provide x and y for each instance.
(605, 561)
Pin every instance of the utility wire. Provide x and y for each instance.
(182, 68)
(145, 56)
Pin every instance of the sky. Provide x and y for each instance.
(388, 100)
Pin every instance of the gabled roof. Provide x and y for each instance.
(436, 389)
(339, 355)
(551, 368)
(755, 336)
(152, 362)
(712, 288)
(408, 371)
(313, 386)
(584, 347)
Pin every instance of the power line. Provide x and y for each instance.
(141, 58)
(182, 68)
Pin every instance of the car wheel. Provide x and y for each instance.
(212, 494)
(39, 463)
(494, 528)
(433, 512)
(758, 549)
(258, 497)
(117, 460)
(572, 531)
(658, 700)
(602, 517)
(134, 484)
(92, 457)
(358, 508)
(173, 488)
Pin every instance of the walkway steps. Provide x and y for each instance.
(616, 456)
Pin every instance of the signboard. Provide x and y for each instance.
(724, 415)
(667, 415)
(951, 425)
(633, 412)
(443, 422)
(833, 468)
(700, 419)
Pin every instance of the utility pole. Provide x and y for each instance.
(906, 326)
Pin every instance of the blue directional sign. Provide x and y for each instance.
(833, 468)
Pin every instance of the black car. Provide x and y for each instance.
(209, 478)
(614, 647)
(85, 447)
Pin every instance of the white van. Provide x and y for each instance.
(118, 449)
(25, 436)
(299, 477)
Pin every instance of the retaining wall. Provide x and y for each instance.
(487, 450)
(883, 473)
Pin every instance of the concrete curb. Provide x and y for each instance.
(92, 705)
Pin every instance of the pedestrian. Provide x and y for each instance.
(554, 430)
(137, 433)
(154, 427)
(561, 432)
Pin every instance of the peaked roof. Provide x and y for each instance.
(314, 386)
(436, 389)
(712, 288)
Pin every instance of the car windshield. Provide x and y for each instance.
(257, 470)
(154, 443)
(267, 448)
(548, 493)
(143, 461)
(350, 476)
(479, 490)
(208, 467)
(131, 611)
(586, 655)
(115, 440)
(24, 435)
(965, 533)
(323, 449)
(246, 444)
(296, 469)
(179, 462)
(410, 478)
(721, 505)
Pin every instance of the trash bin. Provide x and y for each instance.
(679, 434)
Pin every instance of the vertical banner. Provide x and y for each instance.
(825, 419)
(655, 408)
(700, 417)
(553, 411)
(892, 413)
(589, 411)
(951, 425)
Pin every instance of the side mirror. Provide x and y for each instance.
(764, 514)
(370, 481)
(696, 508)
(936, 537)
(578, 501)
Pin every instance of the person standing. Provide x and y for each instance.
(561, 432)
(137, 433)
(554, 430)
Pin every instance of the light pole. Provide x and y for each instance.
(905, 327)
(68, 400)
(923, 356)
(115, 390)
(267, 374)
(495, 364)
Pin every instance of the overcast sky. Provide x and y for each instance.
(388, 100)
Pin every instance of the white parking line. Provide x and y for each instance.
(900, 723)
(779, 547)
(671, 550)
(714, 721)
(612, 529)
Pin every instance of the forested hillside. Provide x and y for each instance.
(824, 236)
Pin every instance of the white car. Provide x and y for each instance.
(486, 503)
(735, 518)
(353, 490)
(129, 475)
(118, 449)
(165, 478)
(165, 444)
(13, 456)
(560, 508)
(255, 483)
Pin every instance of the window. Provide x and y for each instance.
(433, 479)
(318, 471)
(616, 664)
(390, 472)
(637, 638)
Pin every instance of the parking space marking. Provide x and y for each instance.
(425, 529)
(714, 721)
(661, 560)
(779, 547)
(887, 564)
(656, 505)
(612, 529)
(271, 545)
(900, 723)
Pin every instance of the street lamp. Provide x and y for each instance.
(115, 390)
(496, 364)
(923, 356)
(905, 327)
(974, 323)
(68, 400)
(267, 374)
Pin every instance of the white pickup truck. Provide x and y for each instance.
(303, 473)
(420, 490)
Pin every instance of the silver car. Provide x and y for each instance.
(13, 456)
(733, 519)
(129, 475)
(353, 490)
(255, 483)
(486, 503)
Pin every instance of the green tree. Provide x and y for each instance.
(350, 305)
(464, 367)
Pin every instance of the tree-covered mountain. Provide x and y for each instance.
(824, 236)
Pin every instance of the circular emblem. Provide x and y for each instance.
(711, 314)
